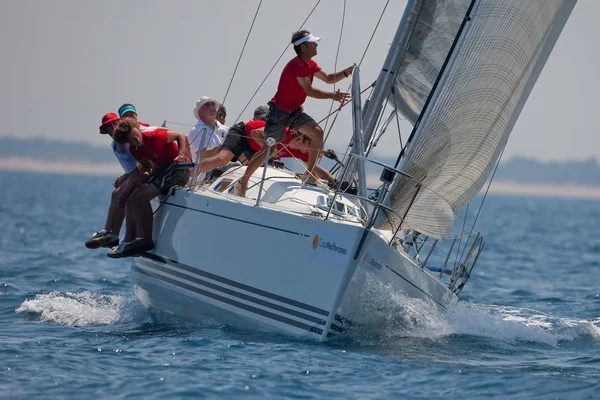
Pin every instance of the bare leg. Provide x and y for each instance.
(208, 164)
(110, 218)
(118, 214)
(130, 228)
(144, 217)
(210, 151)
(314, 131)
(257, 160)
(323, 173)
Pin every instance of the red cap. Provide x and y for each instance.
(108, 118)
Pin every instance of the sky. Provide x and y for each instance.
(67, 62)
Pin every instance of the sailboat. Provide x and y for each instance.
(460, 71)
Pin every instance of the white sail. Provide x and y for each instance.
(490, 73)
(429, 41)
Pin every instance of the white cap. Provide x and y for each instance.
(201, 101)
(307, 38)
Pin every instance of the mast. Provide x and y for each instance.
(358, 148)
(387, 75)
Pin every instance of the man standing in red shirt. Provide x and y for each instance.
(285, 108)
(155, 150)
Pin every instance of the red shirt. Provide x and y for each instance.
(250, 126)
(290, 96)
(155, 148)
(289, 153)
(257, 146)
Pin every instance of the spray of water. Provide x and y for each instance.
(79, 309)
(377, 309)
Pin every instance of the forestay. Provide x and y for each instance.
(472, 110)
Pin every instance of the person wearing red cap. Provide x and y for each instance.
(285, 108)
(109, 235)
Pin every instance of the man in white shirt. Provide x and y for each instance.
(208, 132)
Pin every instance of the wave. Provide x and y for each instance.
(79, 309)
(378, 311)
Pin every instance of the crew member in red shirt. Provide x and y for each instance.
(156, 150)
(285, 108)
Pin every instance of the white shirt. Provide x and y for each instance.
(127, 161)
(143, 128)
(222, 130)
(212, 138)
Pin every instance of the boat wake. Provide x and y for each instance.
(80, 309)
(389, 315)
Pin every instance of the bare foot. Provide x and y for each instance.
(307, 178)
(239, 189)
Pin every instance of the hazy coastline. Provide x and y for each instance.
(500, 186)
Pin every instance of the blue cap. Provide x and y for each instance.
(126, 109)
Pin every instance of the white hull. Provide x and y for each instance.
(268, 267)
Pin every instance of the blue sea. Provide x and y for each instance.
(528, 325)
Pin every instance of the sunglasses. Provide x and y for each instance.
(221, 115)
(304, 139)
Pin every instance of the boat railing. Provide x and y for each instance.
(452, 259)
(375, 200)
(458, 260)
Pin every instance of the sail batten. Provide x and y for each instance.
(471, 112)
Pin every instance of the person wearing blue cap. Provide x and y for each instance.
(128, 110)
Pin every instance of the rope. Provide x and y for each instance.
(242, 52)
(273, 67)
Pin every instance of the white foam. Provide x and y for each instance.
(383, 312)
(77, 309)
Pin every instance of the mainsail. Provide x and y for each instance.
(471, 111)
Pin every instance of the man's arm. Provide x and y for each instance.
(336, 76)
(321, 94)
(181, 139)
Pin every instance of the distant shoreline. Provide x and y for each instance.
(114, 169)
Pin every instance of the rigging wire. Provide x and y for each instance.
(397, 119)
(462, 232)
(484, 198)
(373, 34)
(337, 53)
(359, 64)
(242, 52)
(273, 67)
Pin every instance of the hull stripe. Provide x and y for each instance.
(234, 293)
(232, 302)
(238, 285)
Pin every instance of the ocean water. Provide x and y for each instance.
(71, 327)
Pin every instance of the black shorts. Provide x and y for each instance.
(278, 120)
(236, 141)
(165, 178)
